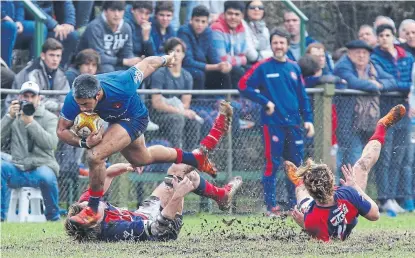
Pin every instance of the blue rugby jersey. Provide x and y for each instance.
(337, 221)
(122, 225)
(120, 101)
(280, 83)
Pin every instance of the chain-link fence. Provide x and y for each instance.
(241, 153)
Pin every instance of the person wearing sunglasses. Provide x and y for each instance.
(257, 33)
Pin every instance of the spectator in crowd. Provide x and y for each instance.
(111, 37)
(355, 128)
(257, 33)
(7, 78)
(32, 130)
(138, 16)
(379, 20)
(368, 35)
(62, 27)
(45, 71)
(86, 61)
(215, 7)
(338, 54)
(292, 25)
(173, 113)
(11, 24)
(409, 45)
(284, 107)
(83, 11)
(402, 30)
(201, 58)
(161, 29)
(16, 31)
(229, 39)
(399, 63)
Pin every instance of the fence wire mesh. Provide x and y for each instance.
(242, 152)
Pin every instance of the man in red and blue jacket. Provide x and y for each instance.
(285, 105)
(399, 63)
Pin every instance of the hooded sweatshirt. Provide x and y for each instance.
(111, 46)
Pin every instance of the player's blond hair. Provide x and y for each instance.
(318, 180)
(78, 233)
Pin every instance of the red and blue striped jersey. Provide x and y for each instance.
(337, 221)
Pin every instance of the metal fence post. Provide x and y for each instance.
(323, 124)
(229, 150)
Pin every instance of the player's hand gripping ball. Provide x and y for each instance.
(86, 123)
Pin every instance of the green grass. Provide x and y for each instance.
(208, 236)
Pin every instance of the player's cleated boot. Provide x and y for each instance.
(86, 218)
(232, 187)
(394, 116)
(291, 172)
(203, 162)
(220, 127)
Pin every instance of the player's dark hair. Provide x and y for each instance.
(113, 5)
(171, 43)
(79, 233)
(384, 27)
(237, 5)
(200, 11)
(143, 5)
(87, 56)
(164, 6)
(51, 44)
(281, 33)
(318, 180)
(309, 65)
(85, 86)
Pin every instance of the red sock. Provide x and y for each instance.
(212, 139)
(214, 192)
(85, 195)
(179, 158)
(380, 133)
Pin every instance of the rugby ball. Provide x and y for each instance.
(85, 123)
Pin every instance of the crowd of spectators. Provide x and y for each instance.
(218, 42)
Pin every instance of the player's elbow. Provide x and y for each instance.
(373, 214)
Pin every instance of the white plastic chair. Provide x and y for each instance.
(23, 199)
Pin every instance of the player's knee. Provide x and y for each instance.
(176, 170)
(94, 158)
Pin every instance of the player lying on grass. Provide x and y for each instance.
(327, 212)
(113, 96)
(159, 217)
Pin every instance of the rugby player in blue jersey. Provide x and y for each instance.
(113, 96)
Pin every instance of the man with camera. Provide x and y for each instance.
(32, 133)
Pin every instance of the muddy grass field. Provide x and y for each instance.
(220, 236)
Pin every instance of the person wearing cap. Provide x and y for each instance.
(360, 74)
(284, 109)
(31, 130)
(396, 61)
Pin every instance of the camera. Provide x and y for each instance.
(27, 107)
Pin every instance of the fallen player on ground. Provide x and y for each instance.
(159, 218)
(327, 212)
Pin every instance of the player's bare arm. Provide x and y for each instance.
(150, 64)
(350, 180)
(66, 135)
(180, 190)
